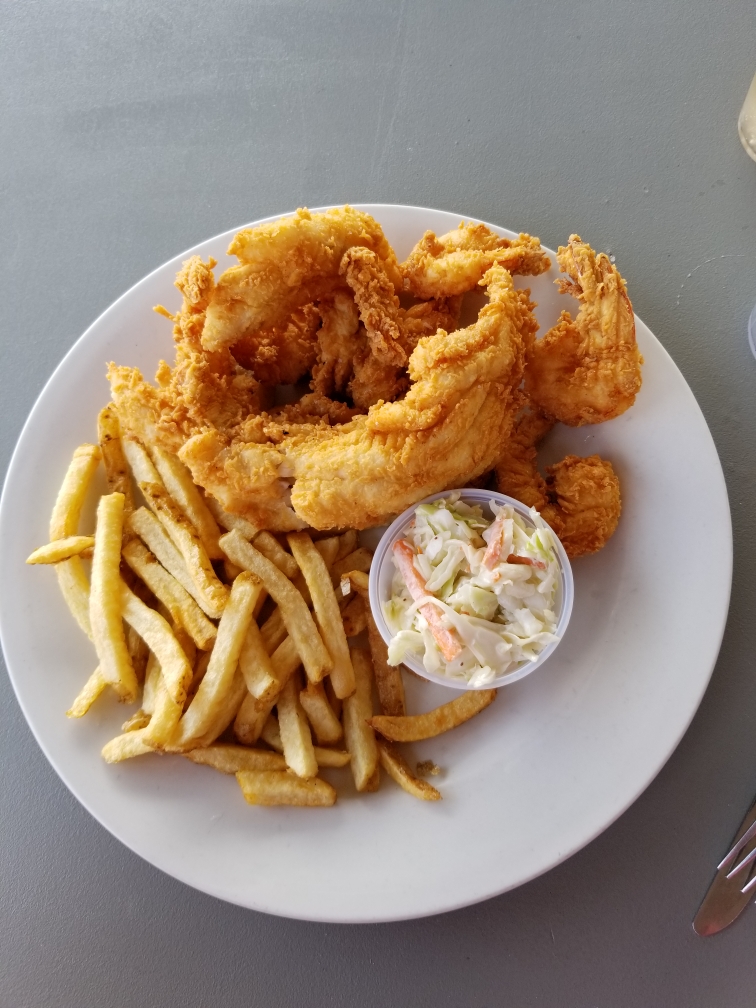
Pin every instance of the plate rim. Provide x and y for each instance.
(177, 873)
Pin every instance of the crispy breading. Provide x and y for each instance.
(455, 262)
(587, 371)
(284, 355)
(580, 497)
(283, 265)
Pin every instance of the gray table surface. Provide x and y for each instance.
(132, 130)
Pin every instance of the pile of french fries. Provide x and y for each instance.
(239, 649)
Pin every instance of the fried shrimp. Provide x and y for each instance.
(580, 497)
(455, 262)
(284, 265)
(587, 370)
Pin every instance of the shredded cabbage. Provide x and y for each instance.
(502, 612)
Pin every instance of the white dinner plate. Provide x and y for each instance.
(532, 779)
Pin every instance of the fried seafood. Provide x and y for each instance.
(202, 389)
(390, 333)
(284, 265)
(284, 355)
(580, 497)
(447, 430)
(380, 364)
(455, 262)
(587, 370)
(338, 344)
(431, 406)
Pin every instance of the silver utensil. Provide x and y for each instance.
(731, 889)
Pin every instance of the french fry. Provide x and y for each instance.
(273, 631)
(225, 712)
(105, 601)
(331, 757)
(230, 571)
(253, 713)
(280, 787)
(64, 522)
(315, 571)
(328, 549)
(224, 660)
(139, 461)
(324, 757)
(200, 668)
(323, 721)
(354, 617)
(388, 678)
(398, 769)
(140, 719)
(413, 728)
(256, 666)
(151, 680)
(116, 468)
(144, 524)
(347, 544)
(126, 746)
(183, 609)
(271, 734)
(230, 759)
(295, 731)
(359, 560)
(335, 702)
(176, 671)
(358, 735)
(230, 522)
(138, 651)
(187, 541)
(162, 726)
(73, 584)
(88, 694)
(271, 548)
(61, 549)
(178, 482)
(296, 616)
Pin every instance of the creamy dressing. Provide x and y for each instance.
(488, 585)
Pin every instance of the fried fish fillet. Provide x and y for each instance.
(285, 265)
(455, 262)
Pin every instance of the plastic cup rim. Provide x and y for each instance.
(383, 555)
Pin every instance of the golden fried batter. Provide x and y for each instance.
(587, 371)
(338, 343)
(284, 265)
(580, 497)
(455, 262)
(281, 356)
(202, 388)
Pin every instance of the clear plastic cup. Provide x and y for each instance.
(382, 574)
(752, 331)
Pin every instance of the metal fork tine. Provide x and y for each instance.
(749, 834)
(746, 861)
(749, 886)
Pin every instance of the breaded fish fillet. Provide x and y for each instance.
(284, 265)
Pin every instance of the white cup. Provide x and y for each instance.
(382, 574)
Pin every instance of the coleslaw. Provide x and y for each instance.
(473, 598)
